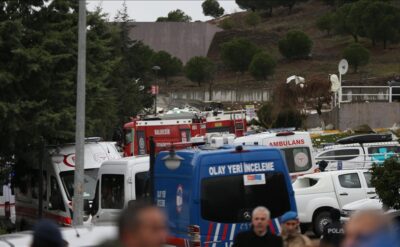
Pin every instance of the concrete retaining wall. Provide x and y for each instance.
(350, 115)
(375, 114)
(182, 40)
(225, 95)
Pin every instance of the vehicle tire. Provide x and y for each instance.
(319, 222)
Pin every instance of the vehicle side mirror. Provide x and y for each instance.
(86, 206)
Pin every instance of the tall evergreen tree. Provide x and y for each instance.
(38, 78)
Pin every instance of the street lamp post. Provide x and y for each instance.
(77, 200)
(156, 69)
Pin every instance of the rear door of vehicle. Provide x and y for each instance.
(349, 187)
(366, 177)
(227, 200)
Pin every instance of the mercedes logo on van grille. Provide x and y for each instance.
(246, 215)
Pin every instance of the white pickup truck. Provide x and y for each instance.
(317, 193)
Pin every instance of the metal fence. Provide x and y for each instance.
(349, 94)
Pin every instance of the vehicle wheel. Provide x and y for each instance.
(320, 220)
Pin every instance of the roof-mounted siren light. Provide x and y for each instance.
(285, 133)
(93, 139)
(172, 161)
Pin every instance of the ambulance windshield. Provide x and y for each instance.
(298, 159)
(67, 179)
(229, 199)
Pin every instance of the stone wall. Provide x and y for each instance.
(182, 40)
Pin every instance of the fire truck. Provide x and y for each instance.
(233, 122)
(180, 128)
(138, 133)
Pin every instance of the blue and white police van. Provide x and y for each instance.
(209, 195)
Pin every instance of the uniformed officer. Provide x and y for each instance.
(291, 235)
(333, 233)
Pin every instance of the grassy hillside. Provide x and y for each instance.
(326, 52)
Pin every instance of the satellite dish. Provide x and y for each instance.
(343, 66)
(335, 83)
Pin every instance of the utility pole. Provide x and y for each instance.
(156, 69)
(77, 200)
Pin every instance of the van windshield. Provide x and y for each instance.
(230, 199)
(298, 159)
(90, 178)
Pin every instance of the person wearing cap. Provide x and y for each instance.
(47, 234)
(258, 236)
(290, 232)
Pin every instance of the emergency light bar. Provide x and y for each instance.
(285, 133)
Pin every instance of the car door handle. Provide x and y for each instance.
(344, 194)
(371, 192)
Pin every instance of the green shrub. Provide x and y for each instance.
(357, 55)
(200, 69)
(227, 24)
(252, 19)
(295, 45)
(238, 53)
(326, 23)
(262, 65)
(386, 181)
(288, 117)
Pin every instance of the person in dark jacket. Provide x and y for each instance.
(333, 233)
(141, 224)
(47, 234)
(258, 236)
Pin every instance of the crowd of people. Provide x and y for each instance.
(145, 225)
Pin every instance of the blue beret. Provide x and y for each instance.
(46, 231)
(291, 215)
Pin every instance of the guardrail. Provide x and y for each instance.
(349, 94)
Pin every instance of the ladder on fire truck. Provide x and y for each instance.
(242, 119)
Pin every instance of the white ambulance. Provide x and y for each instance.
(58, 183)
(120, 182)
(296, 146)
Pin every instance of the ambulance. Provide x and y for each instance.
(58, 183)
(119, 183)
(209, 194)
(296, 146)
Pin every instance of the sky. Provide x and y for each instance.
(150, 10)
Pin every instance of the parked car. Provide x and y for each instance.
(357, 155)
(76, 237)
(317, 193)
(368, 204)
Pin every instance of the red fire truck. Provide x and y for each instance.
(164, 132)
(179, 128)
(233, 122)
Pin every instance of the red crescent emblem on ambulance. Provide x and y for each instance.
(69, 160)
